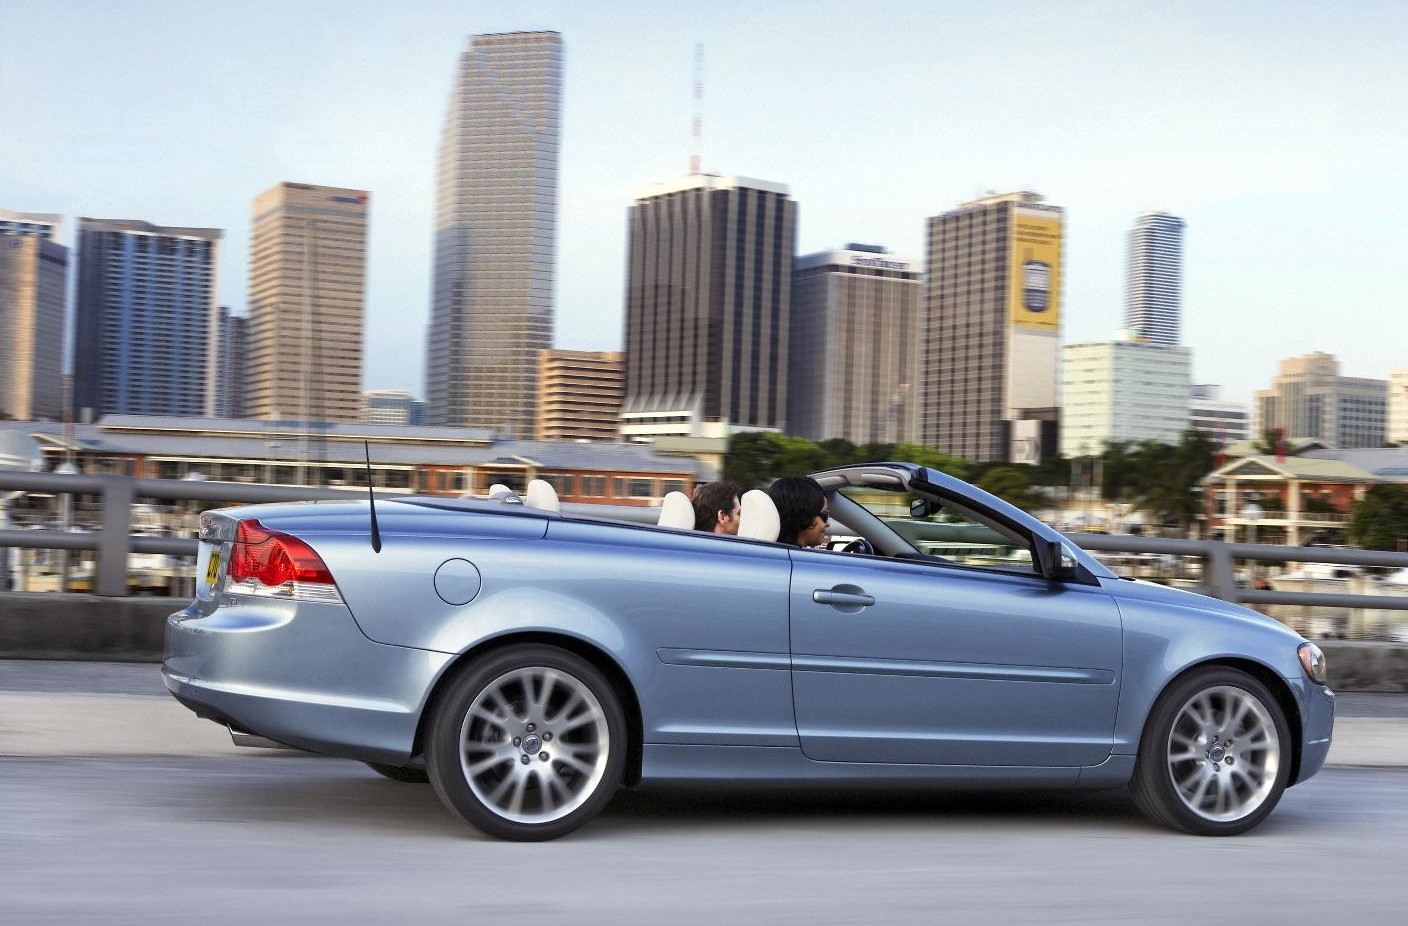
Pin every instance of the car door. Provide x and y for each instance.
(911, 661)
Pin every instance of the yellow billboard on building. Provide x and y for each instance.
(1034, 277)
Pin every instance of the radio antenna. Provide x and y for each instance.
(371, 498)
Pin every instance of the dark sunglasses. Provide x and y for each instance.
(825, 516)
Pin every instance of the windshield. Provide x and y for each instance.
(956, 534)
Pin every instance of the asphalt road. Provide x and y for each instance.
(291, 839)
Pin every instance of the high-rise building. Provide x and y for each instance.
(1224, 421)
(1398, 406)
(495, 228)
(307, 277)
(853, 351)
(33, 287)
(1309, 398)
(708, 293)
(391, 406)
(579, 394)
(30, 224)
(1153, 286)
(230, 361)
(992, 308)
(145, 306)
(1123, 390)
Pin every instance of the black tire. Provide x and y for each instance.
(1161, 759)
(472, 758)
(410, 774)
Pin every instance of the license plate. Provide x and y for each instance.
(212, 568)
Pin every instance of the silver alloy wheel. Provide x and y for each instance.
(1223, 753)
(534, 745)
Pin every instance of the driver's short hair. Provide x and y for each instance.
(709, 499)
(799, 499)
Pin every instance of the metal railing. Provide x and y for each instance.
(114, 541)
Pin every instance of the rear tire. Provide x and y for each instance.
(1215, 756)
(528, 744)
(410, 774)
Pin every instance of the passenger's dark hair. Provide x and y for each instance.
(799, 499)
(709, 499)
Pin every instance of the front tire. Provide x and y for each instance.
(1215, 756)
(528, 744)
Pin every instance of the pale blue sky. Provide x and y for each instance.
(1279, 131)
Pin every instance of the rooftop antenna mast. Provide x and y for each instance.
(698, 122)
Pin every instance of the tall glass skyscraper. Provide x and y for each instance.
(1153, 288)
(495, 229)
(145, 307)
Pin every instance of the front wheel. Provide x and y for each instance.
(1215, 756)
(528, 743)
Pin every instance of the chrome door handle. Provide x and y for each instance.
(848, 599)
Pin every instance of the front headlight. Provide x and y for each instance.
(1313, 661)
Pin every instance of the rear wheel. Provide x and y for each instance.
(1215, 756)
(528, 743)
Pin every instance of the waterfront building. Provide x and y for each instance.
(1398, 406)
(854, 346)
(579, 394)
(307, 278)
(992, 310)
(144, 311)
(33, 294)
(1153, 289)
(1309, 398)
(1123, 390)
(226, 398)
(495, 233)
(708, 292)
(1208, 413)
(392, 406)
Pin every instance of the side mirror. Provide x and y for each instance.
(920, 508)
(1051, 561)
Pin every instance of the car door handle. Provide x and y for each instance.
(855, 599)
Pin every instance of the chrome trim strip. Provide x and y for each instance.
(1000, 673)
(723, 659)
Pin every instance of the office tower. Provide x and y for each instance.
(495, 228)
(145, 304)
(1153, 287)
(992, 307)
(230, 361)
(1309, 398)
(391, 406)
(30, 224)
(708, 293)
(1224, 421)
(1398, 406)
(1123, 390)
(307, 273)
(853, 351)
(579, 394)
(33, 286)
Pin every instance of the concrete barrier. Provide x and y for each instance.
(59, 626)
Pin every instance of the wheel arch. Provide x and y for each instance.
(1280, 690)
(599, 658)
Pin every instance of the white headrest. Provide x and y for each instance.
(542, 495)
(677, 511)
(759, 520)
(498, 489)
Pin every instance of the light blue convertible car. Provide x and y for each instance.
(529, 662)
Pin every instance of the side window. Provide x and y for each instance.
(957, 534)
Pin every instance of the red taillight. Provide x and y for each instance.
(274, 560)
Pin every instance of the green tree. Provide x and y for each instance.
(1165, 480)
(1011, 484)
(1379, 520)
(752, 457)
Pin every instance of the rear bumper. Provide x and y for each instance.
(300, 674)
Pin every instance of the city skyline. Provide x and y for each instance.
(1262, 146)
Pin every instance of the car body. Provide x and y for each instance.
(1010, 657)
